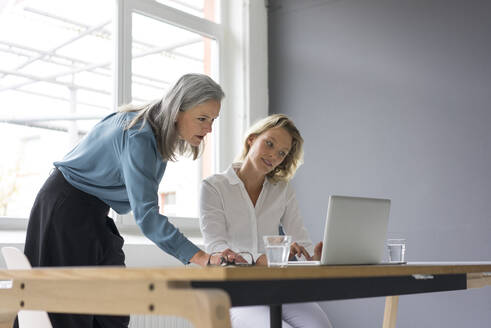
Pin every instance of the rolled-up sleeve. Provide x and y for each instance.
(212, 219)
(139, 160)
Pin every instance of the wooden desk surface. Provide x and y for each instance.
(177, 291)
(245, 273)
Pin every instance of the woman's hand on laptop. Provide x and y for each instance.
(317, 252)
(298, 251)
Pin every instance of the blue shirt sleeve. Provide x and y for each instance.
(139, 169)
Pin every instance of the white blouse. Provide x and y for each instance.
(228, 219)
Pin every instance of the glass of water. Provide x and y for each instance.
(277, 250)
(397, 250)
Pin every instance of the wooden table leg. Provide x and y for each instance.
(7, 319)
(109, 296)
(390, 313)
(212, 309)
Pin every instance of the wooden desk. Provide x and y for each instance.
(204, 295)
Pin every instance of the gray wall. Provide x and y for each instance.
(393, 99)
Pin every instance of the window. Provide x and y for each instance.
(53, 88)
(65, 64)
(161, 53)
(162, 45)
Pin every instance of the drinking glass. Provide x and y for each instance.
(277, 249)
(397, 250)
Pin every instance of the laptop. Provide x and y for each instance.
(355, 231)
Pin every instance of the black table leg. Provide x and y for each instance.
(275, 316)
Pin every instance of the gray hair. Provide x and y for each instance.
(189, 91)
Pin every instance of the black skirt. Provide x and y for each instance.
(68, 227)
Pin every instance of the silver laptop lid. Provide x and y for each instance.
(355, 230)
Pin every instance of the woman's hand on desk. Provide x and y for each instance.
(232, 257)
(203, 259)
(262, 260)
(200, 258)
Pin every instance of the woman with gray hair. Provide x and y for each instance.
(119, 165)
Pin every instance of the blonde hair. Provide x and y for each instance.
(287, 168)
(189, 91)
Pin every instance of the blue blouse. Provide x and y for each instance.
(124, 168)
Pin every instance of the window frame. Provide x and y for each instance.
(123, 36)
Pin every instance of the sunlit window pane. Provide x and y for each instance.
(161, 54)
(24, 167)
(55, 84)
(208, 9)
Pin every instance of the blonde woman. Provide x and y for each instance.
(252, 199)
